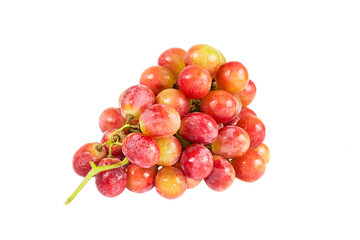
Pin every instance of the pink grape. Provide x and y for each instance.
(222, 175)
(159, 120)
(176, 99)
(112, 182)
(196, 161)
(111, 118)
(157, 78)
(173, 59)
(232, 77)
(220, 105)
(232, 141)
(205, 56)
(135, 100)
(86, 154)
(139, 179)
(194, 81)
(198, 127)
(141, 150)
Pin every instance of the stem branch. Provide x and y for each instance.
(94, 170)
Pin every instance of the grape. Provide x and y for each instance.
(222, 58)
(232, 141)
(238, 105)
(249, 167)
(173, 59)
(222, 175)
(185, 121)
(219, 105)
(86, 154)
(170, 182)
(116, 150)
(264, 151)
(198, 127)
(111, 118)
(135, 100)
(139, 179)
(157, 78)
(254, 127)
(170, 150)
(205, 56)
(112, 182)
(232, 77)
(194, 81)
(244, 112)
(159, 120)
(190, 182)
(196, 161)
(176, 99)
(247, 95)
(141, 150)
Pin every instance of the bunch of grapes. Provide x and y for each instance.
(186, 121)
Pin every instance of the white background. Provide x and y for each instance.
(63, 62)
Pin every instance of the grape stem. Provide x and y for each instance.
(119, 130)
(195, 105)
(94, 170)
(182, 141)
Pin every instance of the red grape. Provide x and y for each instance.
(264, 151)
(159, 120)
(141, 150)
(112, 182)
(191, 183)
(170, 182)
(176, 99)
(232, 77)
(158, 78)
(86, 154)
(194, 81)
(249, 167)
(196, 161)
(116, 150)
(244, 112)
(139, 179)
(220, 105)
(238, 105)
(222, 175)
(135, 100)
(170, 150)
(187, 108)
(254, 127)
(173, 59)
(111, 118)
(205, 56)
(198, 127)
(247, 95)
(232, 141)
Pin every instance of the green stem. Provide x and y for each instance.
(94, 170)
(182, 141)
(110, 151)
(119, 130)
(105, 143)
